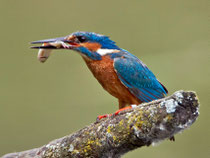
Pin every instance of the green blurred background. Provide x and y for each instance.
(41, 102)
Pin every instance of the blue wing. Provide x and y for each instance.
(137, 77)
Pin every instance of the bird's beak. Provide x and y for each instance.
(55, 43)
(47, 45)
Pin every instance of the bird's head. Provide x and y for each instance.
(90, 45)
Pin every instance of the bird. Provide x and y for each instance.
(118, 71)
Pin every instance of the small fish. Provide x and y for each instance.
(44, 54)
(46, 49)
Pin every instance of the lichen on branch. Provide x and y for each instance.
(112, 137)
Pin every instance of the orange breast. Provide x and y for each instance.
(104, 72)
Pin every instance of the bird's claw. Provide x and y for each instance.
(103, 116)
(114, 114)
(123, 109)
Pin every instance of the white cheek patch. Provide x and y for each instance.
(103, 52)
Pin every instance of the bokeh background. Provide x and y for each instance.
(41, 102)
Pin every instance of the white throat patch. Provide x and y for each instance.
(103, 52)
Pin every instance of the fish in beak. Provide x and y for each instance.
(49, 44)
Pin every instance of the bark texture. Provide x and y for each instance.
(112, 137)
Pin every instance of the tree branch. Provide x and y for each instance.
(112, 137)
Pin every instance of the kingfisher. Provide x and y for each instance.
(119, 72)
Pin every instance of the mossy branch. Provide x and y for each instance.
(112, 137)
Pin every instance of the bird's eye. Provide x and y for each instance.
(81, 38)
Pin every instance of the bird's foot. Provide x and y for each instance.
(123, 109)
(114, 114)
(103, 116)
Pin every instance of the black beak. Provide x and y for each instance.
(44, 47)
(49, 40)
(54, 43)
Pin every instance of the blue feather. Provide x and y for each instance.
(105, 41)
(137, 77)
(88, 53)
